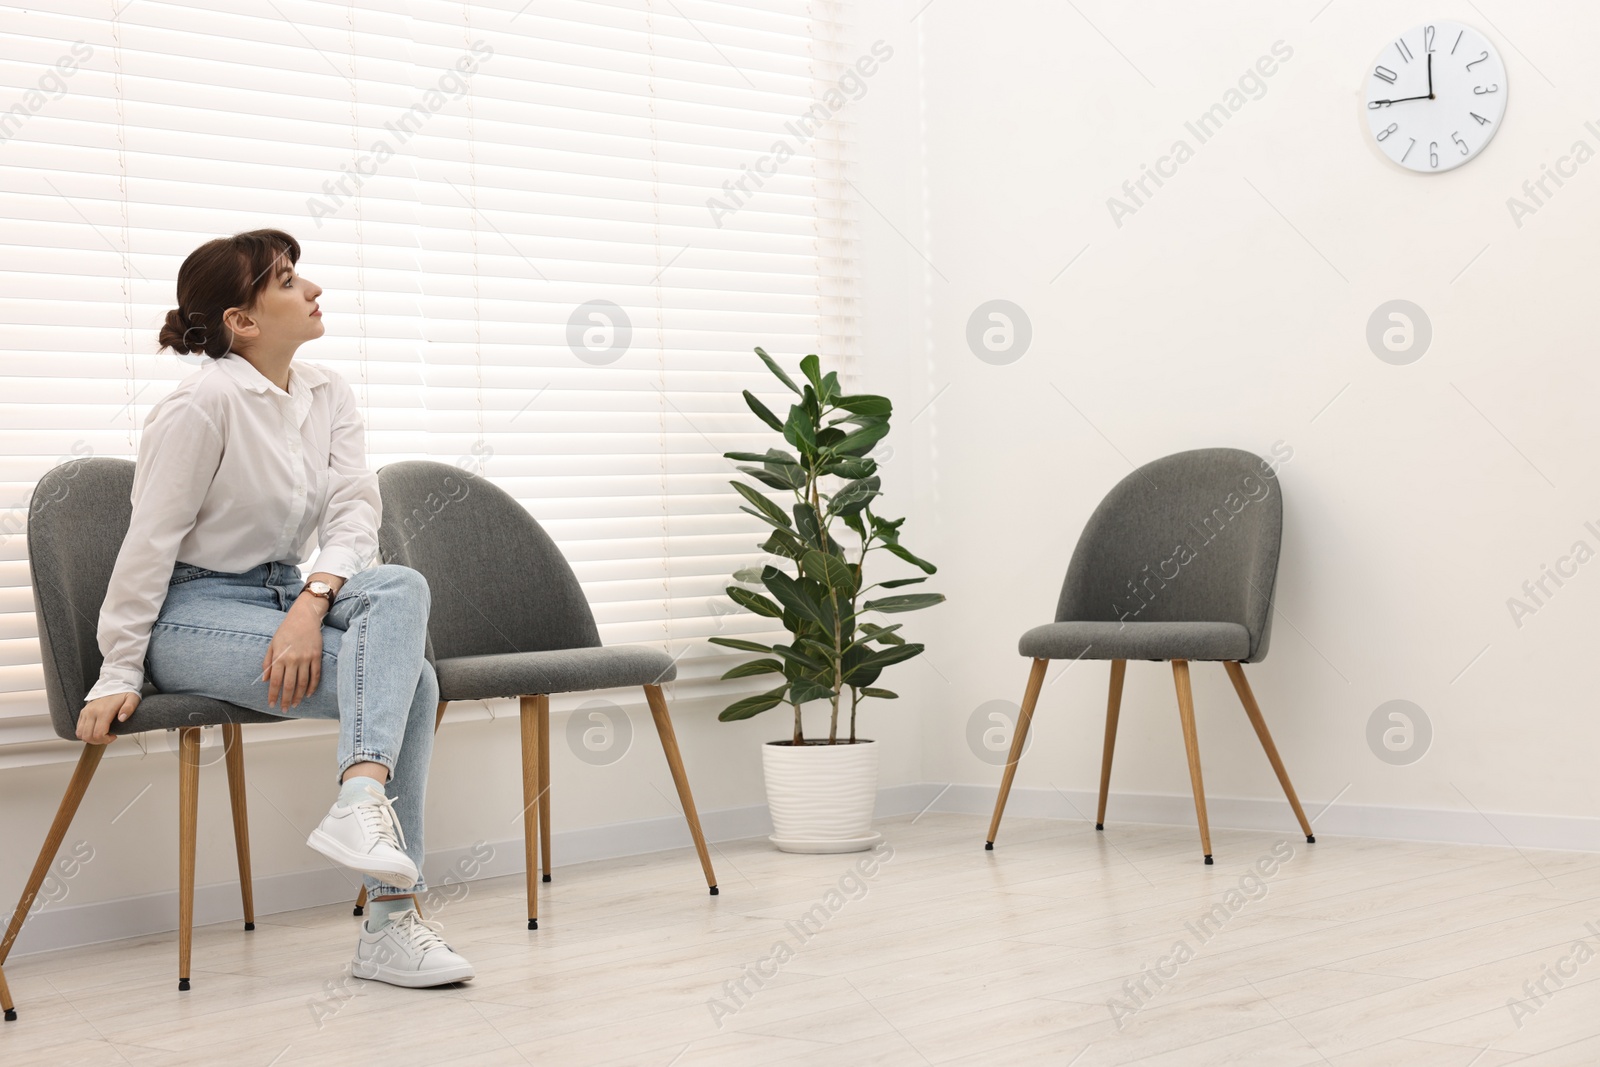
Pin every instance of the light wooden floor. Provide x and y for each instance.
(1355, 952)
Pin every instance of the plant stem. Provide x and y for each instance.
(852, 714)
(799, 736)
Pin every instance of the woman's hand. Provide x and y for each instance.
(293, 663)
(94, 721)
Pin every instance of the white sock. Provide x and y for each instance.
(354, 788)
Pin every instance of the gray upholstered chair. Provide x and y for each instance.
(509, 619)
(76, 522)
(1179, 563)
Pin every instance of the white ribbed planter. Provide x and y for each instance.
(821, 796)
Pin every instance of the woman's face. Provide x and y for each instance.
(285, 312)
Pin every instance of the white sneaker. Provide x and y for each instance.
(367, 837)
(408, 952)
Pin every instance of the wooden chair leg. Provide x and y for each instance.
(233, 740)
(361, 899)
(669, 745)
(1248, 699)
(531, 707)
(544, 788)
(5, 999)
(1018, 739)
(1119, 667)
(1191, 742)
(88, 762)
(188, 812)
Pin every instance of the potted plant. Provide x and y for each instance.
(821, 793)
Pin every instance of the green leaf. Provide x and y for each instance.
(854, 496)
(783, 543)
(895, 548)
(865, 405)
(753, 705)
(811, 367)
(854, 467)
(830, 387)
(773, 512)
(904, 602)
(766, 477)
(772, 365)
(741, 645)
(792, 595)
(800, 431)
(886, 634)
(799, 659)
(898, 582)
(755, 602)
(806, 525)
(755, 666)
(832, 571)
(884, 693)
(859, 442)
(801, 692)
(763, 413)
(880, 659)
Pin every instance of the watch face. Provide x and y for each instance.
(320, 588)
(1435, 96)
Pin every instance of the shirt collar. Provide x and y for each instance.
(302, 376)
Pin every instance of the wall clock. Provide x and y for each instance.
(1435, 96)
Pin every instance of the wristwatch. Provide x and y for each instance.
(321, 589)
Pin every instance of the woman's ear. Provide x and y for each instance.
(240, 324)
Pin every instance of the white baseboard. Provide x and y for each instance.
(61, 927)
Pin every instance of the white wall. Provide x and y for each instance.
(1417, 503)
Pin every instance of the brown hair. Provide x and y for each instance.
(220, 274)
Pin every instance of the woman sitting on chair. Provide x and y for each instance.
(245, 465)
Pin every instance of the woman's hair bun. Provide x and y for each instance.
(172, 332)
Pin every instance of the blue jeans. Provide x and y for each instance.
(213, 632)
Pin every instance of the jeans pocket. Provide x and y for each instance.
(185, 572)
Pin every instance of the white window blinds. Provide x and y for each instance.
(549, 233)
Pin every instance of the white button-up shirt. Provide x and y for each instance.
(233, 472)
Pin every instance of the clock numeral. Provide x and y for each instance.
(1460, 35)
(1427, 38)
(1479, 90)
(1455, 135)
(1383, 134)
(1433, 152)
(1400, 46)
(1385, 73)
(1407, 152)
(1480, 59)
(1481, 120)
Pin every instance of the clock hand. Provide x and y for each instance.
(1430, 75)
(1402, 100)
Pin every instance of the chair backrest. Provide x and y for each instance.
(498, 582)
(1191, 537)
(77, 519)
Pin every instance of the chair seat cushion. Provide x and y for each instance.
(567, 670)
(1136, 640)
(165, 711)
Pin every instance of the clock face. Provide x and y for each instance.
(1435, 96)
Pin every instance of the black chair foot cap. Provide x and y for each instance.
(533, 924)
(183, 985)
(988, 846)
(249, 926)
(547, 877)
(358, 910)
(1208, 860)
(11, 1015)
(1099, 826)
(713, 890)
(1311, 839)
